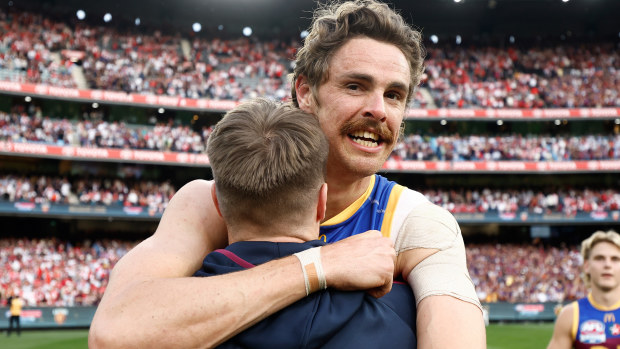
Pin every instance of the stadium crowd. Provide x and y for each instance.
(22, 127)
(37, 49)
(82, 191)
(525, 273)
(567, 201)
(508, 147)
(567, 76)
(51, 272)
(101, 134)
(57, 273)
(155, 196)
(30, 47)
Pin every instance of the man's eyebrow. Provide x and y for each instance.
(358, 76)
(399, 86)
(368, 78)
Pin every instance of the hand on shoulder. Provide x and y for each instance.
(361, 262)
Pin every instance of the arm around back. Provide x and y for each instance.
(151, 300)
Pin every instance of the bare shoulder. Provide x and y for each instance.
(198, 189)
(190, 211)
(191, 223)
(562, 337)
(427, 229)
(428, 226)
(431, 212)
(201, 185)
(189, 229)
(565, 317)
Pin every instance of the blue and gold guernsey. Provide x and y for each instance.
(595, 326)
(380, 208)
(410, 220)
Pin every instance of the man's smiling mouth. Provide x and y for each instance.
(365, 138)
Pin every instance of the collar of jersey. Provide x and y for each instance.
(602, 307)
(349, 211)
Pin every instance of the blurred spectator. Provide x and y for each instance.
(525, 273)
(82, 191)
(552, 200)
(49, 272)
(101, 134)
(30, 46)
(507, 147)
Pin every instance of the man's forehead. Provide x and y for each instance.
(367, 58)
(604, 248)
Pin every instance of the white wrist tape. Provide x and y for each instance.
(313, 269)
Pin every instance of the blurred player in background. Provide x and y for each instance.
(594, 321)
(15, 309)
(356, 72)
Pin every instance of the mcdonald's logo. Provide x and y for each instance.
(609, 317)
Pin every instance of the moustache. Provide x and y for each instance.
(367, 124)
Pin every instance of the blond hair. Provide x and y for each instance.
(588, 244)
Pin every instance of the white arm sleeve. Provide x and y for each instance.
(444, 272)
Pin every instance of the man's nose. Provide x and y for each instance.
(375, 107)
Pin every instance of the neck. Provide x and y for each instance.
(343, 192)
(273, 234)
(604, 298)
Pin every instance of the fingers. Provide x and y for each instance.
(361, 262)
(379, 292)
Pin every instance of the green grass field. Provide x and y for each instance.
(66, 339)
(519, 336)
(499, 336)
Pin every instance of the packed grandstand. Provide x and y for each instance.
(539, 109)
(38, 50)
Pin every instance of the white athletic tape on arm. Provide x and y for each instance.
(313, 269)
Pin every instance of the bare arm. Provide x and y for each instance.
(152, 301)
(432, 259)
(562, 337)
(438, 314)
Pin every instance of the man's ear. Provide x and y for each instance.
(305, 98)
(321, 206)
(214, 197)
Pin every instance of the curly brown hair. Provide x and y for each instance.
(334, 24)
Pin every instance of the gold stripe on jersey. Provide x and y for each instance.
(349, 211)
(390, 209)
(573, 330)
